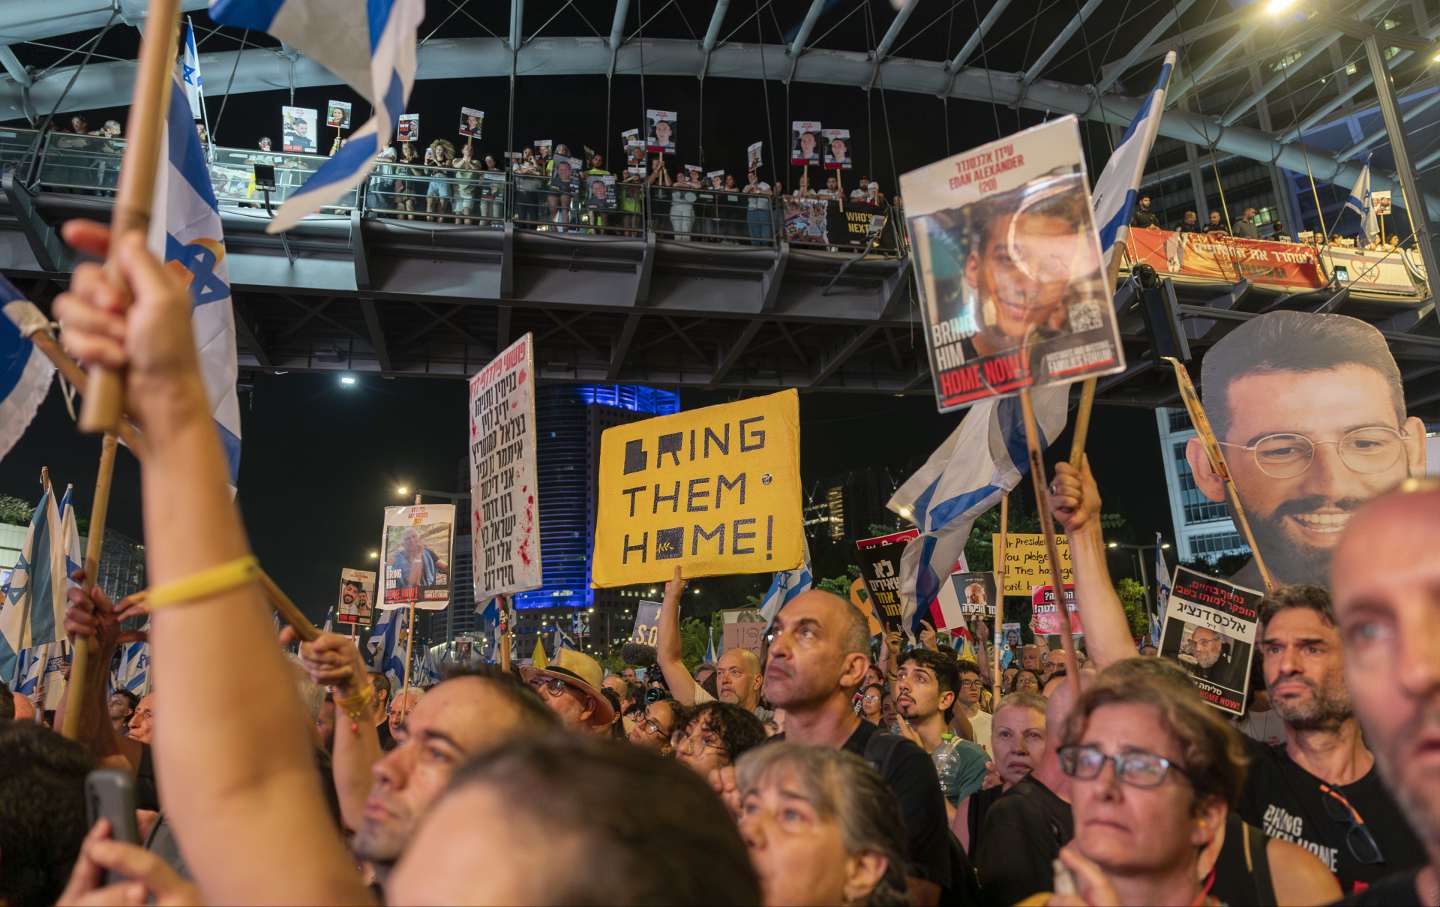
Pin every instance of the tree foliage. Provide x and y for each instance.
(1132, 597)
(15, 511)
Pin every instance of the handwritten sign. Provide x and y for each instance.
(504, 495)
(1027, 564)
(746, 632)
(1210, 628)
(714, 491)
(1045, 616)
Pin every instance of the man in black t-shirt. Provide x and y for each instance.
(1386, 578)
(1320, 789)
(816, 661)
(1212, 663)
(1143, 215)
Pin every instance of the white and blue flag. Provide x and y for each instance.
(32, 612)
(387, 646)
(133, 673)
(186, 232)
(1118, 187)
(25, 373)
(190, 74)
(710, 656)
(984, 458)
(490, 626)
(1362, 202)
(784, 586)
(370, 46)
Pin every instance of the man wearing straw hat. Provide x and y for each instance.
(570, 686)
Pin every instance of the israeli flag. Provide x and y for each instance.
(134, 671)
(386, 646)
(710, 656)
(186, 230)
(1361, 202)
(490, 626)
(1118, 187)
(32, 612)
(981, 460)
(190, 74)
(25, 373)
(370, 46)
(784, 586)
(1162, 594)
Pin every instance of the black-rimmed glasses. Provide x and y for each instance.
(1358, 840)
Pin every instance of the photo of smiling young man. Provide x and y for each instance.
(1310, 413)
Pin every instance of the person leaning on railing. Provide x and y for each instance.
(467, 176)
(407, 190)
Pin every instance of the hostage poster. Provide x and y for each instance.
(805, 142)
(837, 148)
(357, 591)
(504, 496)
(297, 130)
(1007, 259)
(713, 491)
(1210, 628)
(337, 114)
(1045, 616)
(660, 131)
(880, 568)
(415, 553)
(472, 122)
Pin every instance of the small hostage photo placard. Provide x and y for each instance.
(1013, 291)
(1045, 616)
(714, 491)
(415, 556)
(357, 591)
(504, 496)
(1210, 628)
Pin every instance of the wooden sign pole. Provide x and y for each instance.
(504, 655)
(1000, 597)
(1047, 523)
(100, 410)
(1087, 387)
(94, 545)
(1207, 438)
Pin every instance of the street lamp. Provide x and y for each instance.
(402, 490)
(374, 555)
(1276, 7)
(1140, 557)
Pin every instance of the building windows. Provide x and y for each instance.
(1215, 544)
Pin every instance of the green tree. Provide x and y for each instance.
(15, 511)
(840, 585)
(1132, 598)
(694, 641)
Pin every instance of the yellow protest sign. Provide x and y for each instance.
(714, 491)
(1026, 564)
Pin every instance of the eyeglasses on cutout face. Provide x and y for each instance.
(1287, 455)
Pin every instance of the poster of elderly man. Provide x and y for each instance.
(415, 556)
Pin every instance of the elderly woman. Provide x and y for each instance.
(715, 734)
(821, 826)
(1153, 771)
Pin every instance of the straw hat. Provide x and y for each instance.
(583, 673)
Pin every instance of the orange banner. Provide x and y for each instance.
(1224, 259)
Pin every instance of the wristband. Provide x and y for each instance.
(208, 582)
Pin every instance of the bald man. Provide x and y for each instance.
(1213, 663)
(818, 655)
(737, 675)
(1386, 581)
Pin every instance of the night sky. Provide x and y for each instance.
(320, 461)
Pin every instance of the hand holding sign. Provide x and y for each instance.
(1075, 498)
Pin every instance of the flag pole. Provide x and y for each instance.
(101, 409)
(409, 647)
(1088, 386)
(504, 655)
(71, 371)
(94, 545)
(1047, 523)
(1000, 596)
(1206, 434)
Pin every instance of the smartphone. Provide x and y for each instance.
(110, 795)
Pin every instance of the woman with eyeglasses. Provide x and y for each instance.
(715, 734)
(1153, 771)
(656, 724)
(872, 703)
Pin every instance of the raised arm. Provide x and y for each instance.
(334, 661)
(94, 616)
(1075, 501)
(667, 645)
(231, 746)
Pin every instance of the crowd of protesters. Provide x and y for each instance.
(834, 769)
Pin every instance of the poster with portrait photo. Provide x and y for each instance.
(600, 191)
(544, 145)
(660, 131)
(472, 122)
(297, 129)
(714, 178)
(1005, 249)
(415, 556)
(1210, 629)
(357, 591)
(837, 148)
(635, 157)
(754, 156)
(409, 129)
(565, 176)
(1011, 640)
(805, 142)
(337, 114)
(695, 174)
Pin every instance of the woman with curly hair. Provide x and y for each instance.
(715, 734)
